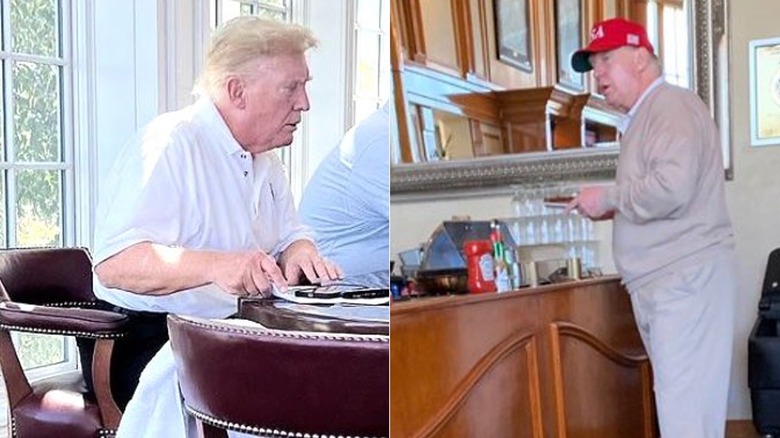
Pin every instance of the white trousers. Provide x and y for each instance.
(686, 321)
(156, 409)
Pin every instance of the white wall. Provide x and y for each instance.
(753, 195)
(116, 90)
(126, 80)
(328, 64)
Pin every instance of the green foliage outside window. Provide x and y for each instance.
(40, 350)
(36, 93)
(37, 121)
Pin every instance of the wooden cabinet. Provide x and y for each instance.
(462, 37)
(459, 37)
(556, 361)
(444, 50)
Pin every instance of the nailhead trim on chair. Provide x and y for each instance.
(62, 332)
(72, 304)
(103, 433)
(268, 433)
(297, 335)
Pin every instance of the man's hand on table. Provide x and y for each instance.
(301, 258)
(248, 273)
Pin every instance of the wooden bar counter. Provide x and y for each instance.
(562, 361)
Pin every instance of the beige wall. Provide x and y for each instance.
(753, 196)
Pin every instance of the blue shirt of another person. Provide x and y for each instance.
(347, 200)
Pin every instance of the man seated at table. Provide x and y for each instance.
(347, 201)
(198, 211)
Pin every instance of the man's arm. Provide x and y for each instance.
(152, 269)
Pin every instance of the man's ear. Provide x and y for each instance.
(235, 88)
(642, 59)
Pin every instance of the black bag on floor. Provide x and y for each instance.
(764, 353)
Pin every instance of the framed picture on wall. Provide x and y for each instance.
(568, 37)
(513, 33)
(765, 92)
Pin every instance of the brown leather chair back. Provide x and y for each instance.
(263, 381)
(47, 276)
(49, 290)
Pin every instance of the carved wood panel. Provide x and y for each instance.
(490, 365)
(591, 374)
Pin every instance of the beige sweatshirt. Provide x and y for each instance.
(669, 195)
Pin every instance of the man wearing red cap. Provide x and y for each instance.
(672, 237)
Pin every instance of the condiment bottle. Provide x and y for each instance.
(501, 269)
(479, 254)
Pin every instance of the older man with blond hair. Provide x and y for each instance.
(197, 211)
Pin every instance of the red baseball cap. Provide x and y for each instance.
(607, 35)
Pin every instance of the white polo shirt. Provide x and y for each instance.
(185, 181)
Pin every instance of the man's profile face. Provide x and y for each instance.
(275, 99)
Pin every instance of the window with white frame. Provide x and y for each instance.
(272, 9)
(667, 28)
(36, 149)
(372, 57)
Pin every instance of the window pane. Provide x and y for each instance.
(39, 350)
(274, 10)
(3, 218)
(363, 109)
(37, 112)
(675, 35)
(384, 24)
(38, 207)
(247, 9)
(369, 14)
(2, 115)
(271, 14)
(34, 27)
(277, 3)
(367, 74)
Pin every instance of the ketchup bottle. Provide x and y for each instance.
(479, 255)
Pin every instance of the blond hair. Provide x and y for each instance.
(240, 42)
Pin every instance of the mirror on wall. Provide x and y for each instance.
(460, 130)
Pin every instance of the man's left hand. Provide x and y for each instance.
(302, 257)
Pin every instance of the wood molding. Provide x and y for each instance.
(405, 153)
(101, 373)
(562, 329)
(16, 383)
(520, 341)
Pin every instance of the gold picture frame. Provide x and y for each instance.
(765, 92)
(568, 35)
(513, 33)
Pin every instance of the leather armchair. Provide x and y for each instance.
(49, 291)
(248, 378)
